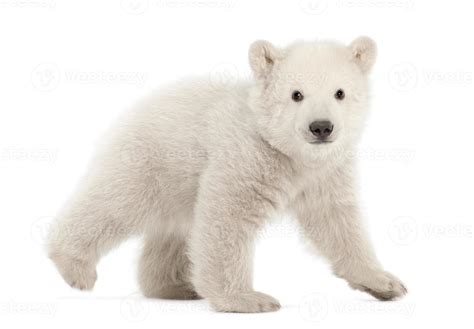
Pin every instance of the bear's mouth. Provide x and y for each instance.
(320, 142)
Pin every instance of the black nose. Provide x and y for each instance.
(321, 129)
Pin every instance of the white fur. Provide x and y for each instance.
(196, 169)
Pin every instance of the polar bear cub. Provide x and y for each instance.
(198, 168)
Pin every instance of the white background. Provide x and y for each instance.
(68, 68)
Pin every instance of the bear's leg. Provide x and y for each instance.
(164, 269)
(332, 223)
(221, 251)
(105, 211)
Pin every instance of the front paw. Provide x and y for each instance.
(382, 285)
(249, 302)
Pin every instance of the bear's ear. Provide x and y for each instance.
(262, 58)
(364, 52)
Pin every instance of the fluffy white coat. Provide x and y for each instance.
(198, 168)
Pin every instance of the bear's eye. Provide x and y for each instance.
(297, 96)
(340, 94)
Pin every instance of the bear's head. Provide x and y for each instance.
(311, 99)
